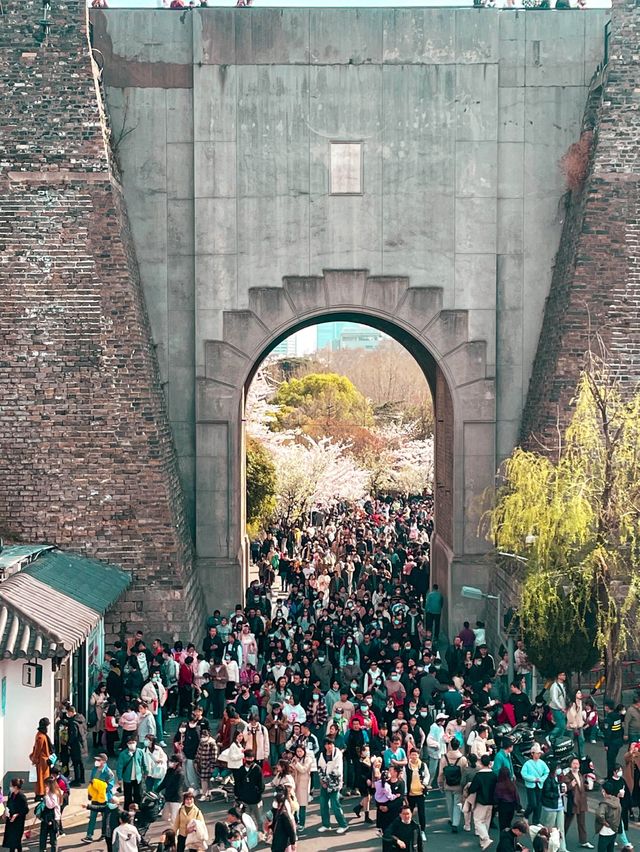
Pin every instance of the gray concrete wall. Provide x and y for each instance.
(464, 115)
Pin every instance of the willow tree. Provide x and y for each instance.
(575, 518)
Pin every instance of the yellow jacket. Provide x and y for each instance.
(185, 815)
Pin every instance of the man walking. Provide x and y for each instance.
(558, 705)
(433, 611)
(249, 786)
(403, 834)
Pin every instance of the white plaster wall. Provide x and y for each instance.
(25, 707)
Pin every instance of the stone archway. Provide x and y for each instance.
(454, 364)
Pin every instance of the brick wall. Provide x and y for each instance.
(595, 291)
(86, 453)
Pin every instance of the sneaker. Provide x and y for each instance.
(466, 828)
(487, 844)
(587, 845)
(87, 839)
(323, 828)
(301, 830)
(162, 744)
(342, 830)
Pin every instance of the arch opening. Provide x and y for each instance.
(442, 408)
(454, 363)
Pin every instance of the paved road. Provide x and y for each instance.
(359, 836)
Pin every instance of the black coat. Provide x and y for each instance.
(508, 841)
(409, 833)
(249, 784)
(284, 833)
(16, 804)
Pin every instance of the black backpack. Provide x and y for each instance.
(452, 773)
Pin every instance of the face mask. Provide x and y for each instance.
(321, 659)
(423, 713)
(97, 763)
(316, 697)
(354, 684)
(395, 677)
(349, 662)
(131, 747)
(369, 701)
(183, 728)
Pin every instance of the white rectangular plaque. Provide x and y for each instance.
(346, 168)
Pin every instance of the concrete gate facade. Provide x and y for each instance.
(454, 365)
(225, 124)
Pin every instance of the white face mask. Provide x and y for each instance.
(131, 746)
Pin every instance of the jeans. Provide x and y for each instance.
(555, 819)
(506, 810)
(132, 793)
(534, 804)
(218, 700)
(432, 622)
(612, 755)
(417, 802)
(93, 818)
(191, 777)
(48, 831)
(451, 800)
(159, 728)
(559, 724)
(255, 812)
(578, 741)
(274, 753)
(606, 842)
(434, 766)
(331, 799)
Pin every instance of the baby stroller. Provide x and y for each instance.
(149, 811)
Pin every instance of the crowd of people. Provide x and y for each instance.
(331, 680)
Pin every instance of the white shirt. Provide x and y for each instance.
(126, 838)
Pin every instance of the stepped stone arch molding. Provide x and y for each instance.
(455, 367)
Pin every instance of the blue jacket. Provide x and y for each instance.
(534, 773)
(131, 761)
(503, 758)
(105, 774)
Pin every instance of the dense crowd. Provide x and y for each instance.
(332, 680)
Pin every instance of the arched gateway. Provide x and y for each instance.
(455, 366)
(257, 150)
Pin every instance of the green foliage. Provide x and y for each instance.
(320, 397)
(261, 483)
(576, 520)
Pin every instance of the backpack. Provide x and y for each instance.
(452, 773)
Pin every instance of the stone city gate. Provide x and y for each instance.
(248, 153)
(455, 367)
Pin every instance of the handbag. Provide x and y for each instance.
(33, 773)
(53, 758)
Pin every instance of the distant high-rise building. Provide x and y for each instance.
(288, 347)
(347, 335)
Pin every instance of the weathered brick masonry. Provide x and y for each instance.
(86, 453)
(596, 284)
